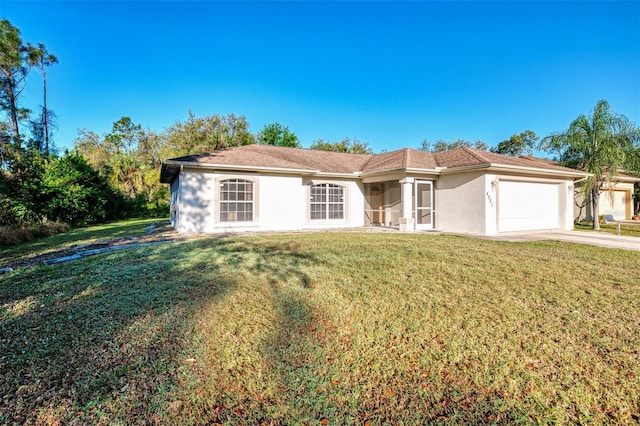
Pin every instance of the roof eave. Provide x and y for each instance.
(353, 175)
(492, 167)
(538, 171)
(374, 173)
(244, 168)
(626, 178)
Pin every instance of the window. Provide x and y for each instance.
(236, 200)
(326, 202)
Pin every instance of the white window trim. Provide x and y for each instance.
(345, 203)
(218, 201)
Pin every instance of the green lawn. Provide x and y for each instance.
(626, 229)
(85, 235)
(325, 328)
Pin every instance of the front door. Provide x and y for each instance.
(423, 204)
(376, 204)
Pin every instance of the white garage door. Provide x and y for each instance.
(527, 206)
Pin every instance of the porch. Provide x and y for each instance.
(406, 204)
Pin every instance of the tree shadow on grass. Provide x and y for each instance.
(294, 347)
(102, 339)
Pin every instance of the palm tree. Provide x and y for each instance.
(601, 144)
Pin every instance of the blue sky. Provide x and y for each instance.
(390, 74)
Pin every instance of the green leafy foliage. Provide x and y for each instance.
(38, 189)
(346, 145)
(14, 68)
(278, 135)
(442, 145)
(203, 134)
(602, 144)
(518, 144)
(74, 192)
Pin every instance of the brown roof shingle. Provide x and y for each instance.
(281, 157)
(267, 156)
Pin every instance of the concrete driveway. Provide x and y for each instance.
(601, 239)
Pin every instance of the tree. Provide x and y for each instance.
(13, 72)
(90, 145)
(346, 145)
(517, 145)
(75, 193)
(41, 58)
(601, 144)
(203, 134)
(5, 143)
(442, 145)
(125, 136)
(127, 174)
(128, 157)
(22, 183)
(278, 135)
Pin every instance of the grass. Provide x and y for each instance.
(626, 229)
(332, 328)
(76, 236)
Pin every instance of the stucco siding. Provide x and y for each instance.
(566, 201)
(174, 207)
(279, 203)
(620, 209)
(197, 210)
(460, 203)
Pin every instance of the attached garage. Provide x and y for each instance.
(528, 206)
(467, 191)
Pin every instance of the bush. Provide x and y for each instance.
(74, 192)
(11, 235)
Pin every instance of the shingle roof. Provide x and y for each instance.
(463, 157)
(298, 159)
(281, 157)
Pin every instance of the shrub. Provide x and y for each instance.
(11, 235)
(75, 193)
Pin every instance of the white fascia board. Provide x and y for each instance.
(226, 167)
(628, 179)
(414, 171)
(505, 168)
(354, 175)
(537, 171)
(376, 173)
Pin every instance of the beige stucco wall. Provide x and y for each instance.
(622, 190)
(566, 205)
(174, 208)
(461, 203)
(468, 202)
(196, 206)
(280, 202)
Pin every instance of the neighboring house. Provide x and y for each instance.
(616, 200)
(262, 187)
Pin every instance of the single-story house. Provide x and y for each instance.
(262, 187)
(616, 200)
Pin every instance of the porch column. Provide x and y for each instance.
(406, 210)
